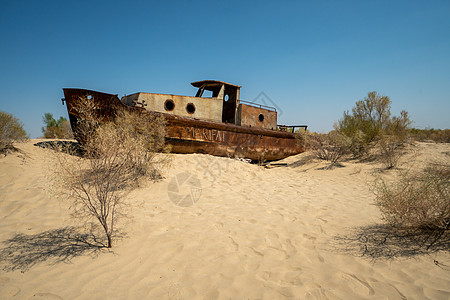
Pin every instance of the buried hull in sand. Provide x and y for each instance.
(218, 124)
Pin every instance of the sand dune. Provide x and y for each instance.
(231, 230)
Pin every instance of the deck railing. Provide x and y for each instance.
(259, 105)
(290, 128)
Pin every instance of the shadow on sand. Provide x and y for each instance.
(303, 160)
(70, 147)
(22, 251)
(387, 242)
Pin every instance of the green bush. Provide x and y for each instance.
(56, 129)
(370, 122)
(11, 130)
(369, 116)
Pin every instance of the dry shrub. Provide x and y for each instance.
(392, 138)
(358, 145)
(302, 138)
(418, 200)
(330, 146)
(116, 156)
(11, 131)
(390, 151)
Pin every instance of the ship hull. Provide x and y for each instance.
(187, 135)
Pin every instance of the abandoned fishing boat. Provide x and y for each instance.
(214, 122)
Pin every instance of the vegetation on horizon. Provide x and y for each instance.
(418, 200)
(370, 125)
(369, 128)
(430, 135)
(56, 129)
(11, 131)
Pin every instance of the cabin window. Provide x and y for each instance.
(261, 117)
(169, 105)
(204, 93)
(227, 97)
(190, 108)
(207, 94)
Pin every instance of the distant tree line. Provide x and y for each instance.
(430, 135)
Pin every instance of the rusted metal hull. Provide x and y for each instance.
(187, 135)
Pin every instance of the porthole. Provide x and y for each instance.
(169, 105)
(261, 117)
(190, 108)
(227, 97)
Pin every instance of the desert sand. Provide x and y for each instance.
(242, 232)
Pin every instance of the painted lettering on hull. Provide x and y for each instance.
(212, 135)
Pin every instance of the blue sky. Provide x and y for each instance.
(314, 59)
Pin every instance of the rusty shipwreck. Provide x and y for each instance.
(214, 122)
